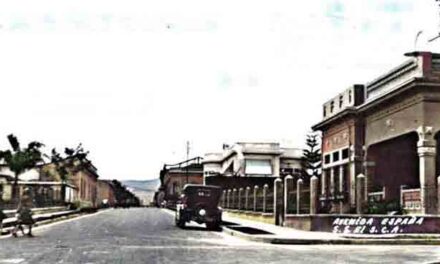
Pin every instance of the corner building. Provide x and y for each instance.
(388, 130)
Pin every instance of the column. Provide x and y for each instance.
(341, 186)
(438, 194)
(324, 182)
(288, 187)
(332, 182)
(234, 198)
(246, 195)
(299, 183)
(313, 195)
(352, 190)
(277, 201)
(265, 188)
(354, 168)
(426, 151)
(255, 197)
(240, 196)
(360, 193)
(276, 166)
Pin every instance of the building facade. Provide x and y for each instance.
(247, 164)
(106, 194)
(388, 130)
(83, 175)
(173, 177)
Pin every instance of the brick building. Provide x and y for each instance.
(106, 193)
(174, 176)
(83, 175)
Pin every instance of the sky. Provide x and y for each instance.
(133, 81)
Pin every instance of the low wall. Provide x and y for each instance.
(301, 222)
(231, 182)
(253, 216)
(366, 224)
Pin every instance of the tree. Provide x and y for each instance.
(312, 157)
(20, 159)
(74, 160)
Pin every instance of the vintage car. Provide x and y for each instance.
(199, 203)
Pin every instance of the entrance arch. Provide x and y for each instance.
(395, 163)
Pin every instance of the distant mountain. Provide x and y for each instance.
(143, 189)
(147, 185)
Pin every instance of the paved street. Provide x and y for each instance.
(148, 235)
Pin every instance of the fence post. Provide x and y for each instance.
(246, 195)
(228, 199)
(401, 195)
(255, 197)
(438, 194)
(314, 195)
(224, 199)
(265, 188)
(360, 193)
(234, 198)
(299, 183)
(288, 186)
(277, 201)
(240, 195)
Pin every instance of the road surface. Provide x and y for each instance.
(148, 235)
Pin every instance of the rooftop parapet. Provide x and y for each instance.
(421, 64)
(349, 98)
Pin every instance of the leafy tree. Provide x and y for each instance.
(312, 157)
(73, 160)
(20, 159)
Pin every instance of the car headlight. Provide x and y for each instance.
(202, 212)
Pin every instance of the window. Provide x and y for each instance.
(345, 153)
(327, 159)
(332, 106)
(349, 96)
(335, 156)
(325, 111)
(341, 101)
(258, 167)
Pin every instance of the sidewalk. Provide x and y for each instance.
(10, 222)
(268, 233)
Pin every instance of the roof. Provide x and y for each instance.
(396, 81)
(262, 148)
(191, 185)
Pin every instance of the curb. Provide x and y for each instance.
(342, 241)
(39, 220)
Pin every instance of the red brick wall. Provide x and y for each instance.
(338, 136)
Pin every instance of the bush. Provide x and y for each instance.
(384, 207)
(74, 205)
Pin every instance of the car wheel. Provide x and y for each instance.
(213, 225)
(179, 222)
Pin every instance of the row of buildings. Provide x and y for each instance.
(82, 189)
(386, 131)
(239, 165)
